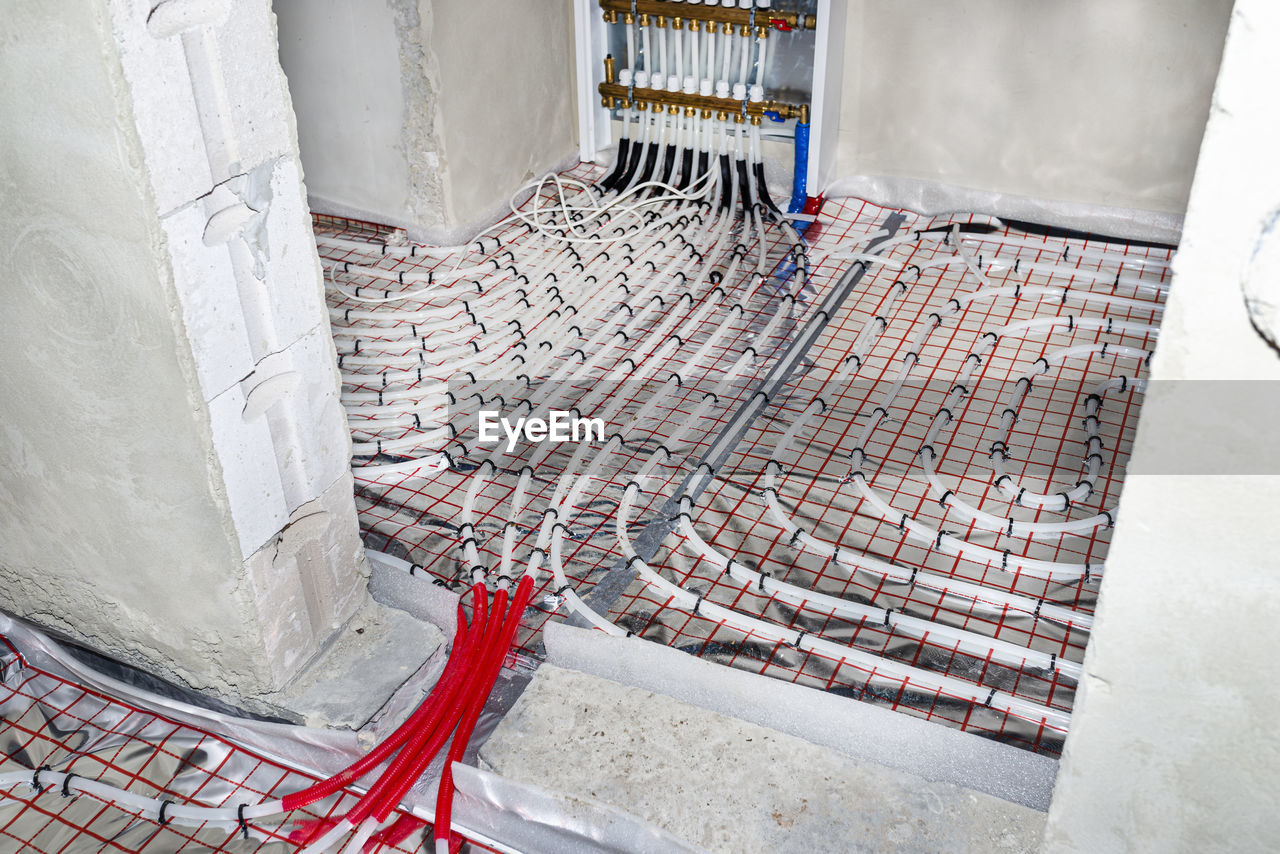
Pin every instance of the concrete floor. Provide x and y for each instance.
(733, 786)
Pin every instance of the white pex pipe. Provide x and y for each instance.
(588, 338)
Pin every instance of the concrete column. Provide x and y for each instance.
(173, 455)
(1173, 743)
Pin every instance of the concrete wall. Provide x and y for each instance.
(1097, 101)
(427, 114)
(1173, 744)
(505, 96)
(173, 453)
(351, 113)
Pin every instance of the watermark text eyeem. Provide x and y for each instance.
(559, 426)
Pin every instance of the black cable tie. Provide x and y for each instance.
(990, 697)
(1018, 498)
(356, 351)
(933, 455)
(1067, 501)
(937, 319)
(348, 317)
(164, 805)
(1010, 531)
(1110, 520)
(244, 823)
(1086, 573)
(698, 604)
(1001, 477)
(1004, 560)
(916, 267)
(1017, 291)
(66, 785)
(760, 581)
(995, 339)
(943, 500)
(1071, 322)
(1009, 410)
(963, 389)
(799, 638)
(943, 409)
(1053, 661)
(937, 545)
(795, 535)
(402, 277)
(902, 524)
(1036, 612)
(631, 561)
(35, 778)
(1046, 364)
(1004, 447)
(1105, 344)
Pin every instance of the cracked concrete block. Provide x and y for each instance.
(309, 579)
(210, 304)
(173, 452)
(241, 111)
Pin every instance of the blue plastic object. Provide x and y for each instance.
(799, 183)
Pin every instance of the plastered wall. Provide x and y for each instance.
(427, 114)
(1101, 102)
(1173, 745)
(102, 523)
(173, 457)
(505, 96)
(344, 62)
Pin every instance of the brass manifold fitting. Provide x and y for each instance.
(664, 9)
(615, 96)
